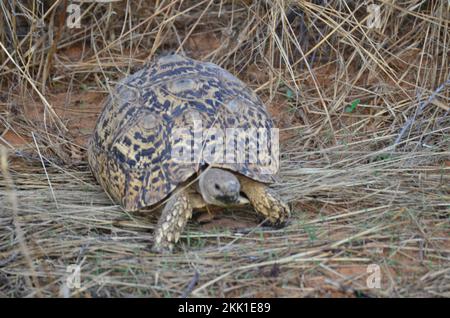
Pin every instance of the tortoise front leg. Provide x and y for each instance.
(176, 213)
(265, 201)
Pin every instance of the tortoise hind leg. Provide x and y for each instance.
(173, 219)
(265, 201)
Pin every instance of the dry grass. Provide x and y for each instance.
(368, 184)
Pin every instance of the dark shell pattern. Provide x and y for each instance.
(158, 112)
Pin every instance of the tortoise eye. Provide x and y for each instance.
(217, 186)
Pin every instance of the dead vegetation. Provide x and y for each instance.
(364, 119)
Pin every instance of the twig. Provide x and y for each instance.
(419, 111)
(191, 285)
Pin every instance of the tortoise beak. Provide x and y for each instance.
(233, 200)
(242, 200)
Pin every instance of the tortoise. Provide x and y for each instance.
(145, 148)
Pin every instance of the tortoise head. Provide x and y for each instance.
(220, 187)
